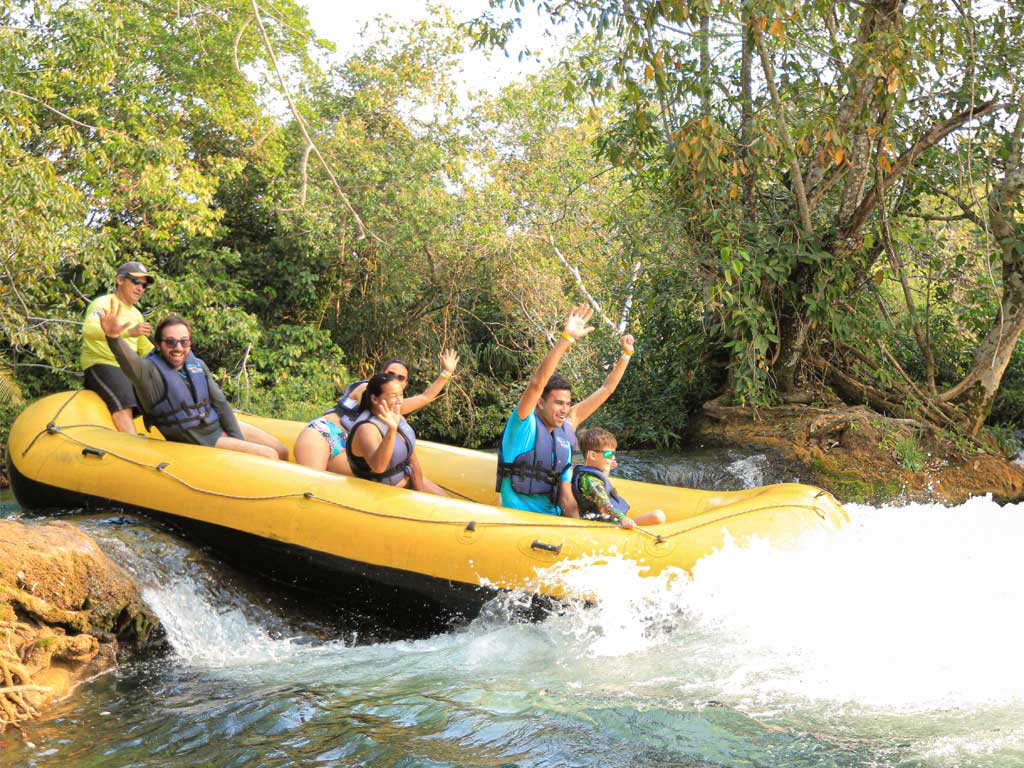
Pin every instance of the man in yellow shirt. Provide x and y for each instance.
(102, 373)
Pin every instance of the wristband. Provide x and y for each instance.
(446, 374)
(568, 338)
(627, 355)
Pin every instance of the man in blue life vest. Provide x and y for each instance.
(175, 388)
(535, 455)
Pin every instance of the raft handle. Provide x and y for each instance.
(546, 547)
(471, 526)
(94, 452)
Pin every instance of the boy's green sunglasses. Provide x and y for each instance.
(608, 454)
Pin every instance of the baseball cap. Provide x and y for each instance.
(135, 269)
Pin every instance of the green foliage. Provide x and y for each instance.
(130, 133)
(1007, 438)
(294, 372)
(828, 221)
(906, 449)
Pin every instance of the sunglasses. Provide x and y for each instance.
(608, 454)
(172, 343)
(136, 281)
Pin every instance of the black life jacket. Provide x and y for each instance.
(538, 471)
(347, 408)
(400, 457)
(586, 504)
(179, 409)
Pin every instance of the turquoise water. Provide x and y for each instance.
(892, 642)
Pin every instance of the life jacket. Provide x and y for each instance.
(179, 409)
(585, 503)
(400, 457)
(538, 471)
(347, 408)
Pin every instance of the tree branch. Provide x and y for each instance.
(300, 121)
(575, 272)
(66, 116)
(780, 119)
(853, 227)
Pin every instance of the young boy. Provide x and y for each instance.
(594, 494)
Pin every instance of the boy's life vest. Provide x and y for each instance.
(585, 503)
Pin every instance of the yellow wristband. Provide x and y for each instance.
(446, 374)
(627, 355)
(568, 338)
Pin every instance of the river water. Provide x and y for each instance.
(893, 642)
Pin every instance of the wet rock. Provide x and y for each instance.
(67, 613)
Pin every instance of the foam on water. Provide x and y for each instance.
(209, 636)
(891, 640)
(908, 608)
(914, 607)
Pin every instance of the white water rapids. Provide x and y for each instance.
(896, 638)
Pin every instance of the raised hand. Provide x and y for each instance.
(110, 319)
(449, 360)
(391, 417)
(576, 323)
(627, 344)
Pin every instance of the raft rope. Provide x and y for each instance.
(53, 429)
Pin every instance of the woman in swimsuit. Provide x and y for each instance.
(382, 445)
(321, 445)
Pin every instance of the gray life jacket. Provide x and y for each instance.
(538, 471)
(346, 407)
(398, 466)
(585, 503)
(182, 407)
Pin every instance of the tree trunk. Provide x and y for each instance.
(747, 115)
(794, 332)
(977, 391)
(990, 363)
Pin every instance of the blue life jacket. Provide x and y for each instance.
(586, 504)
(538, 471)
(347, 408)
(179, 409)
(398, 466)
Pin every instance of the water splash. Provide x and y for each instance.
(913, 608)
(211, 636)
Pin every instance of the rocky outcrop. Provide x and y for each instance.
(861, 456)
(67, 612)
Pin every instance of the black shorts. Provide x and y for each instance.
(113, 386)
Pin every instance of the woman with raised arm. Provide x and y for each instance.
(381, 445)
(321, 445)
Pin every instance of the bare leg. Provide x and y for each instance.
(123, 421)
(311, 450)
(244, 446)
(338, 464)
(654, 517)
(256, 435)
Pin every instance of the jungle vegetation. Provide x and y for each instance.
(785, 201)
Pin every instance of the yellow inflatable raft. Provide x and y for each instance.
(433, 558)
